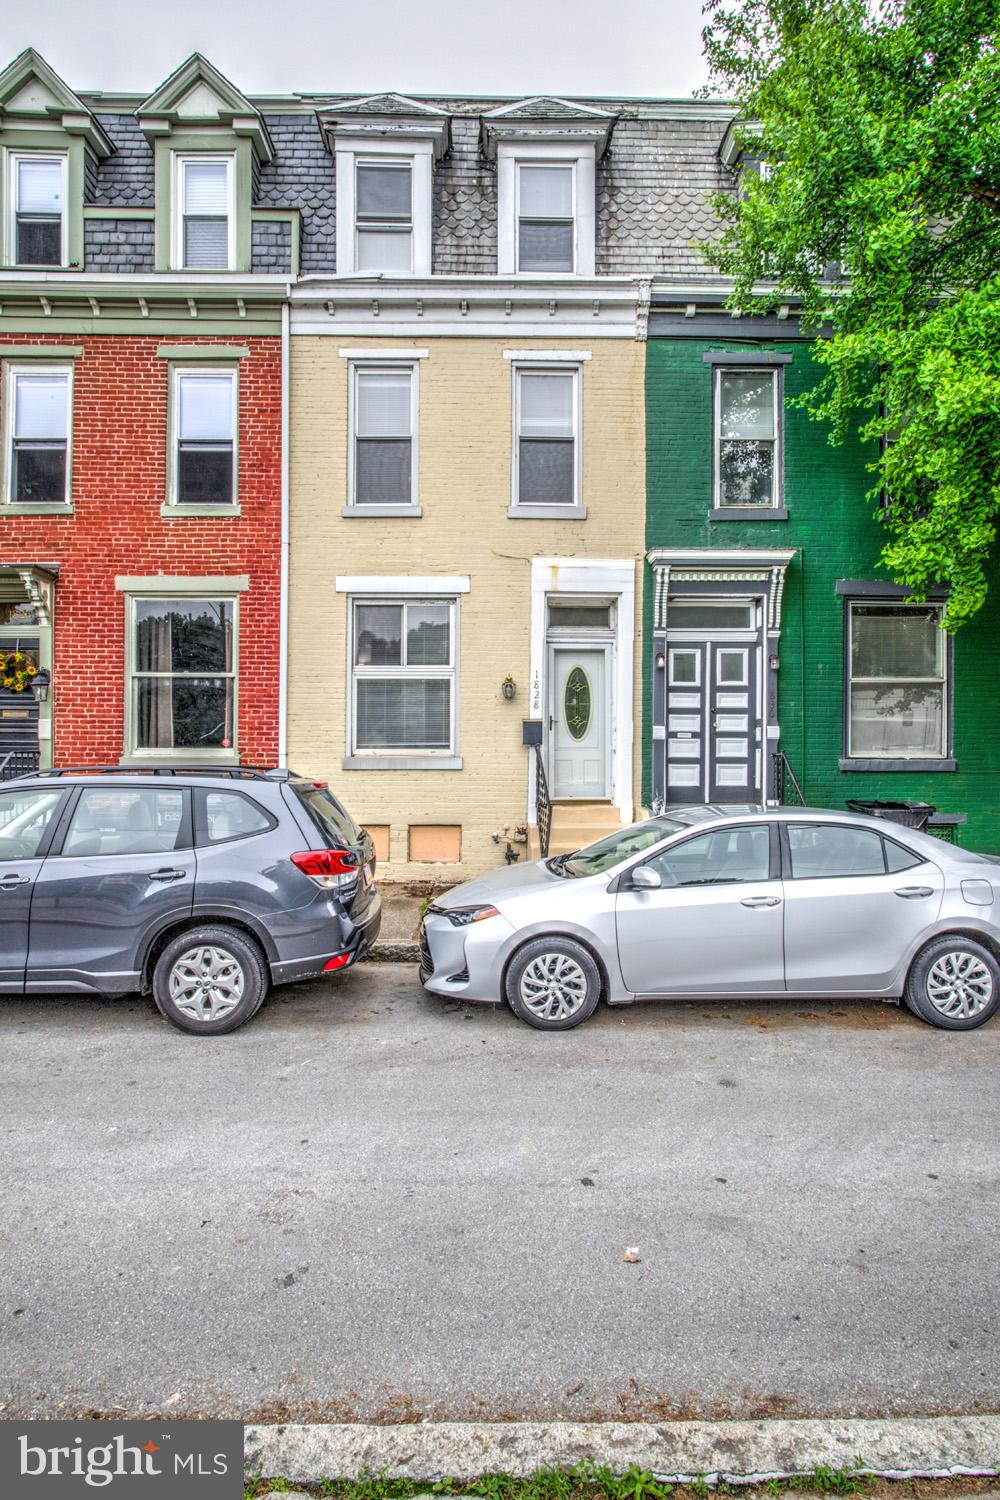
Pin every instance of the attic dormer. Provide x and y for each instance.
(385, 147)
(208, 143)
(50, 145)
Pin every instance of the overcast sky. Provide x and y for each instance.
(644, 47)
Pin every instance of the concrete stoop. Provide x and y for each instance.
(753, 1451)
(573, 825)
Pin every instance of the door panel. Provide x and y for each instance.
(686, 689)
(27, 818)
(713, 729)
(579, 744)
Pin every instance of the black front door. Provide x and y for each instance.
(18, 716)
(713, 729)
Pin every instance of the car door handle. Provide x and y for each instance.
(11, 882)
(756, 901)
(914, 892)
(165, 875)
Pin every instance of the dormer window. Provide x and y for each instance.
(204, 197)
(38, 203)
(545, 193)
(383, 212)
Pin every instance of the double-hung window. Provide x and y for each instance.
(403, 668)
(204, 408)
(38, 409)
(546, 428)
(204, 194)
(383, 406)
(545, 217)
(182, 661)
(898, 687)
(383, 214)
(37, 195)
(747, 441)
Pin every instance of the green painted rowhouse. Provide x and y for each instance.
(772, 627)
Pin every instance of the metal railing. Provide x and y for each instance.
(543, 804)
(18, 763)
(786, 786)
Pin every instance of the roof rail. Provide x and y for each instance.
(258, 773)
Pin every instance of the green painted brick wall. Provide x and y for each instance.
(838, 535)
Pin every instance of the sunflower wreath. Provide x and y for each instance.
(16, 671)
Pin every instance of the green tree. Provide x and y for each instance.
(880, 122)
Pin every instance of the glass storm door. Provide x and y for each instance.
(578, 725)
(713, 722)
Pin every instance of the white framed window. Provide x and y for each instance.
(897, 689)
(36, 193)
(204, 218)
(383, 412)
(546, 221)
(546, 460)
(747, 437)
(38, 426)
(383, 213)
(182, 656)
(404, 662)
(204, 422)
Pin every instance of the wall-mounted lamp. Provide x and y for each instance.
(40, 685)
(773, 662)
(509, 688)
(661, 661)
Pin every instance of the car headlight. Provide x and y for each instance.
(464, 916)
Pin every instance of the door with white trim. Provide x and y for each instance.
(579, 741)
(713, 724)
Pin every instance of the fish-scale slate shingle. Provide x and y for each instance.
(302, 175)
(126, 178)
(465, 206)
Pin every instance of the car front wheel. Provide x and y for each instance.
(209, 980)
(554, 984)
(954, 983)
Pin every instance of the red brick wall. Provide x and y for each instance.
(119, 467)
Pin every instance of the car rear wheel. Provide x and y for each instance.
(553, 984)
(954, 983)
(209, 980)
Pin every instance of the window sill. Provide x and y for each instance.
(547, 512)
(172, 512)
(748, 513)
(179, 759)
(402, 762)
(408, 511)
(916, 764)
(53, 508)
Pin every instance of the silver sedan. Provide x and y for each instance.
(721, 902)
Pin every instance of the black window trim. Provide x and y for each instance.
(55, 823)
(201, 838)
(786, 853)
(65, 818)
(774, 852)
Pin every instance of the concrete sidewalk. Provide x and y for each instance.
(402, 906)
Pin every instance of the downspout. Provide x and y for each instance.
(283, 587)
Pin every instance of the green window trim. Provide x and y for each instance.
(181, 144)
(218, 353)
(110, 211)
(221, 364)
(41, 351)
(17, 141)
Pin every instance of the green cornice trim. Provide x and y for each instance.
(41, 351)
(292, 216)
(108, 211)
(202, 351)
(265, 322)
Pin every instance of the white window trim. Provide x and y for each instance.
(173, 504)
(373, 366)
(374, 159)
(420, 154)
(392, 757)
(182, 592)
(554, 166)
(577, 511)
(180, 158)
(11, 369)
(10, 178)
(552, 153)
(777, 385)
(944, 681)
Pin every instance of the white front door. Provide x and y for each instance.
(579, 744)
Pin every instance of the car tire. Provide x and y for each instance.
(954, 983)
(553, 984)
(183, 986)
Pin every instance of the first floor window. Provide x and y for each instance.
(546, 404)
(205, 422)
(383, 213)
(746, 437)
(898, 663)
(205, 192)
(38, 198)
(183, 690)
(384, 404)
(38, 414)
(403, 670)
(545, 224)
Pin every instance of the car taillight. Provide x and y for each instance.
(333, 869)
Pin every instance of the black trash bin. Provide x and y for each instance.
(910, 814)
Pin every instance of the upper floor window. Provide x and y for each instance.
(545, 217)
(546, 425)
(383, 212)
(204, 447)
(38, 209)
(747, 450)
(37, 426)
(384, 402)
(898, 682)
(204, 218)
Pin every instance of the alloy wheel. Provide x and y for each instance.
(959, 984)
(553, 987)
(206, 983)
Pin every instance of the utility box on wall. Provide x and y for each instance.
(531, 731)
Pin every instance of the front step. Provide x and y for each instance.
(575, 824)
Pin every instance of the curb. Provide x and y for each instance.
(894, 1448)
(393, 953)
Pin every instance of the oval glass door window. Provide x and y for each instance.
(577, 703)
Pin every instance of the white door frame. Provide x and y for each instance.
(610, 578)
(577, 643)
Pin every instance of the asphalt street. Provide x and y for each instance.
(372, 1204)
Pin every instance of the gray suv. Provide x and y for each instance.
(200, 886)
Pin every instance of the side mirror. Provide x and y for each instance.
(645, 878)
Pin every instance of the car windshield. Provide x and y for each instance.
(594, 859)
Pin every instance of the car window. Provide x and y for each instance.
(24, 819)
(832, 849)
(594, 859)
(897, 858)
(125, 820)
(727, 856)
(334, 821)
(231, 815)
